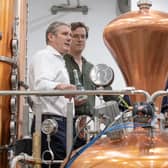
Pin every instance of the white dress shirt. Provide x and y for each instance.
(47, 69)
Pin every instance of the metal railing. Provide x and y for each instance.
(36, 160)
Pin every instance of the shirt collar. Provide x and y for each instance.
(83, 59)
(53, 50)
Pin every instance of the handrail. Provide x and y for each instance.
(37, 160)
(75, 92)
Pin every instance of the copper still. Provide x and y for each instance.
(12, 65)
(132, 152)
(6, 24)
(139, 43)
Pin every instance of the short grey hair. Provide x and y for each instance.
(53, 27)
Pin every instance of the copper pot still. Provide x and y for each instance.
(6, 25)
(139, 43)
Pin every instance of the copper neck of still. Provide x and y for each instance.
(139, 43)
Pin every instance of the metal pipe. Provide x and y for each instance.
(145, 93)
(69, 132)
(68, 2)
(55, 9)
(37, 135)
(123, 5)
(21, 157)
(37, 149)
(78, 3)
(75, 92)
(25, 127)
(157, 94)
(36, 159)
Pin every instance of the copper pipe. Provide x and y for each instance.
(37, 149)
(22, 59)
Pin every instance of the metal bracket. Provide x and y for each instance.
(8, 60)
(15, 47)
(55, 9)
(124, 5)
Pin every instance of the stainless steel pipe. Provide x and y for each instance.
(35, 159)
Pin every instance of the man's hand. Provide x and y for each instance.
(66, 87)
(79, 102)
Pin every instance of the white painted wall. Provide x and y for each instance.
(100, 13)
(156, 5)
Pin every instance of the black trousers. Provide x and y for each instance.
(58, 140)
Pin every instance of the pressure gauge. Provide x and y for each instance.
(102, 75)
(49, 126)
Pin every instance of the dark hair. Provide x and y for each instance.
(53, 27)
(75, 25)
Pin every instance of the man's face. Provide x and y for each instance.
(78, 39)
(61, 40)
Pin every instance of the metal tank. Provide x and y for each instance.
(12, 64)
(6, 24)
(139, 43)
